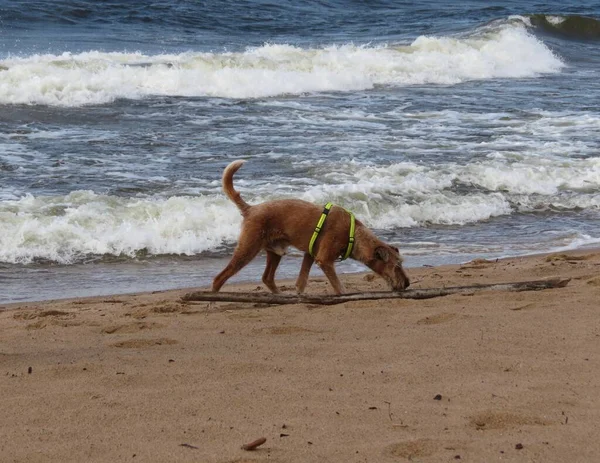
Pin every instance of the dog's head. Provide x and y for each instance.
(387, 262)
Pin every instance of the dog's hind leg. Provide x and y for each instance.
(268, 277)
(245, 251)
(304, 271)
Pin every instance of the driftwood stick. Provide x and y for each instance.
(426, 293)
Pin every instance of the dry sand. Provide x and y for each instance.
(494, 376)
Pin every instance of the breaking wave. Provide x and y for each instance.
(569, 27)
(506, 50)
(71, 228)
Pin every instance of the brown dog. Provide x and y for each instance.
(275, 225)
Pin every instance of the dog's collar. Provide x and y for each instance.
(319, 226)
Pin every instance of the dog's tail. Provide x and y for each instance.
(231, 193)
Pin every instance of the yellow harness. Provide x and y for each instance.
(319, 226)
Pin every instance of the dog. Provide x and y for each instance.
(275, 225)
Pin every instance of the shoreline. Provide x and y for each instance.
(484, 376)
(236, 285)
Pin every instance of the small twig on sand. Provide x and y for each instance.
(396, 425)
(252, 445)
(389, 404)
(189, 446)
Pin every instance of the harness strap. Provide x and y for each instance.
(319, 226)
(351, 237)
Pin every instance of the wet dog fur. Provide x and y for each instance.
(275, 225)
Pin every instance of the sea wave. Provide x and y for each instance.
(408, 194)
(71, 228)
(567, 26)
(68, 229)
(95, 77)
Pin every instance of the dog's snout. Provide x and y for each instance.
(402, 286)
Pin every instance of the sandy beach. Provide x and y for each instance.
(486, 376)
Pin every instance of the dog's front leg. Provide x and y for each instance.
(304, 271)
(329, 271)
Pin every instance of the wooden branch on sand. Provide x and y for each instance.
(426, 293)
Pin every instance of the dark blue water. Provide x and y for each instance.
(454, 130)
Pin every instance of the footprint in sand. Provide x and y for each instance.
(594, 281)
(437, 319)
(503, 420)
(138, 343)
(32, 315)
(413, 448)
(130, 327)
(168, 307)
(141, 311)
(47, 317)
(282, 330)
(566, 257)
(478, 264)
(419, 448)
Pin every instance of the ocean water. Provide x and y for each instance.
(455, 130)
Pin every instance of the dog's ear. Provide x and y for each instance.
(382, 253)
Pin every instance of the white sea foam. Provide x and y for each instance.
(556, 20)
(408, 194)
(274, 69)
(67, 228)
(542, 177)
(526, 20)
(64, 229)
